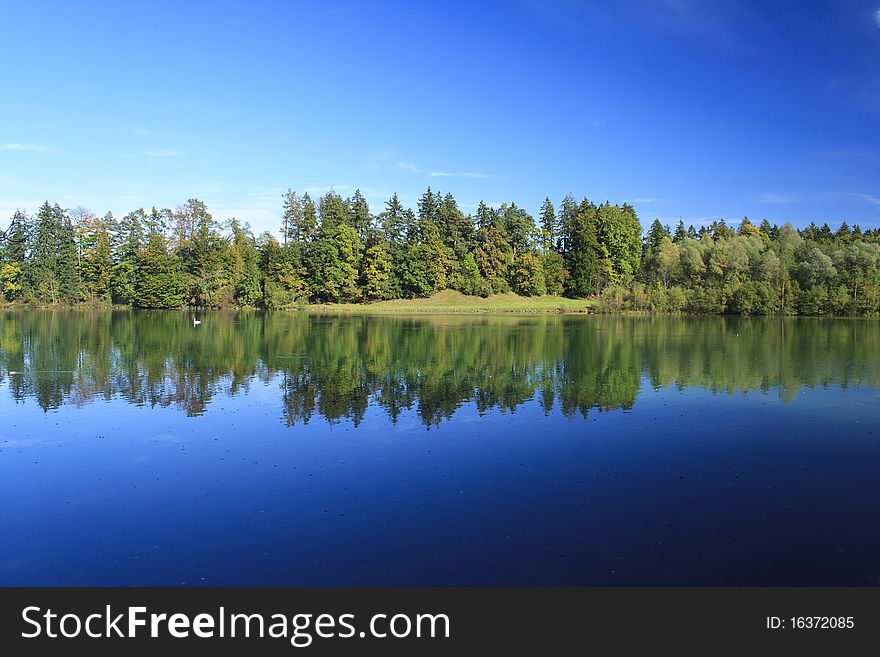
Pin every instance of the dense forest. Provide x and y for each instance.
(338, 250)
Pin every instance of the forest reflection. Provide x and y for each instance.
(335, 366)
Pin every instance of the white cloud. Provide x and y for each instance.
(465, 174)
(877, 18)
(637, 201)
(168, 152)
(32, 148)
(870, 198)
(407, 166)
(776, 198)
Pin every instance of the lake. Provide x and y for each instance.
(303, 449)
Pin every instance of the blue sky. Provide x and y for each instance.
(684, 108)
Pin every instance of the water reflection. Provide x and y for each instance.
(335, 367)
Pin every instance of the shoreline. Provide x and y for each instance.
(442, 303)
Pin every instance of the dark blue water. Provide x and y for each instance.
(303, 450)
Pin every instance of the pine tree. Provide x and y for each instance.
(393, 222)
(53, 270)
(681, 233)
(360, 220)
(158, 283)
(334, 211)
(655, 235)
(427, 207)
(291, 217)
(549, 229)
(307, 231)
(128, 242)
(582, 257)
(568, 212)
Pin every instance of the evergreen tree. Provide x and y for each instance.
(15, 246)
(428, 206)
(549, 229)
(360, 220)
(486, 217)
(206, 280)
(681, 233)
(307, 231)
(53, 270)
(393, 222)
(333, 262)
(283, 274)
(158, 283)
(568, 212)
(291, 218)
(492, 255)
(656, 233)
(128, 240)
(95, 257)
(456, 229)
(582, 256)
(334, 211)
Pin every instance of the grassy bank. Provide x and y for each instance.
(450, 301)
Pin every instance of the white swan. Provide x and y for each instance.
(196, 322)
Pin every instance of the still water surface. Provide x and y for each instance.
(295, 449)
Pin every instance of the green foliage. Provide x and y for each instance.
(528, 275)
(52, 269)
(491, 255)
(283, 276)
(332, 262)
(376, 272)
(555, 273)
(95, 257)
(158, 283)
(430, 264)
(10, 277)
(583, 252)
(469, 279)
(339, 252)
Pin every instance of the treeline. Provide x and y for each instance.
(755, 270)
(338, 250)
(336, 368)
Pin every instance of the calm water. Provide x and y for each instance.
(136, 448)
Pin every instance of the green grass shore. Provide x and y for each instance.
(447, 301)
(450, 301)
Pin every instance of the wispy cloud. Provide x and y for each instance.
(168, 152)
(863, 196)
(464, 174)
(640, 201)
(777, 198)
(407, 166)
(31, 148)
(870, 198)
(877, 18)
